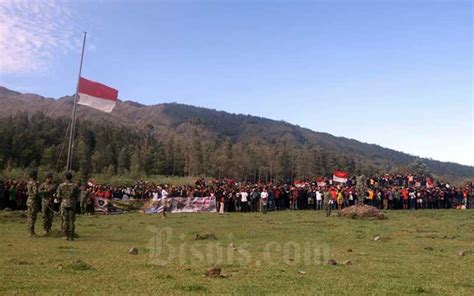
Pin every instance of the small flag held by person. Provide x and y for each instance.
(97, 95)
(340, 176)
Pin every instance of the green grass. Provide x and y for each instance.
(416, 255)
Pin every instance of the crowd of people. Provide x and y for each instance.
(384, 192)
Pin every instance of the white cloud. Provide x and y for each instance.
(32, 33)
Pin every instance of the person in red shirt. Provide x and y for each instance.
(333, 193)
(107, 194)
(278, 200)
(294, 198)
(405, 196)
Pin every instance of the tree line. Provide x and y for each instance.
(190, 149)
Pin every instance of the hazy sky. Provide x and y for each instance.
(395, 73)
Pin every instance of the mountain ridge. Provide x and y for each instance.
(165, 119)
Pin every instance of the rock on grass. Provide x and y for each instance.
(79, 265)
(214, 272)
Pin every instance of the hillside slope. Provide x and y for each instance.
(164, 119)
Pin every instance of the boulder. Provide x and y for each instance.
(133, 251)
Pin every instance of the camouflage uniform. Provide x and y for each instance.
(360, 187)
(84, 198)
(33, 204)
(46, 191)
(67, 192)
(327, 202)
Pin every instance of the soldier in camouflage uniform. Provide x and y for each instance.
(360, 187)
(46, 192)
(33, 202)
(327, 202)
(67, 193)
(84, 199)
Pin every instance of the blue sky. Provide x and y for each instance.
(395, 73)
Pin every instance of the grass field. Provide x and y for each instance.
(278, 253)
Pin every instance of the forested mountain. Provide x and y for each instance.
(176, 139)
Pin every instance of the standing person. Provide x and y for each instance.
(405, 197)
(164, 201)
(360, 185)
(319, 200)
(271, 200)
(254, 199)
(264, 200)
(46, 192)
(396, 199)
(333, 193)
(221, 204)
(67, 193)
(84, 199)
(350, 198)
(12, 192)
(384, 198)
(294, 198)
(412, 195)
(389, 195)
(237, 201)
(278, 198)
(244, 200)
(311, 199)
(327, 202)
(339, 199)
(33, 202)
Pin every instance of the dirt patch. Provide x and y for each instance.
(13, 216)
(362, 212)
(206, 236)
(79, 265)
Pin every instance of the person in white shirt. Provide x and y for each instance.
(264, 200)
(244, 201)
(164, 201)
(319, 200)
(155, 195)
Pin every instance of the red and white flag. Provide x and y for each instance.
(321, 181)
(97, 95)
(300, 183)
(340, 176)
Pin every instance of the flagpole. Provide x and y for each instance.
(73, 119)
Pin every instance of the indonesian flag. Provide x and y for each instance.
(97, 95)
(300, 183)
(340, 176)
(321, 181)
